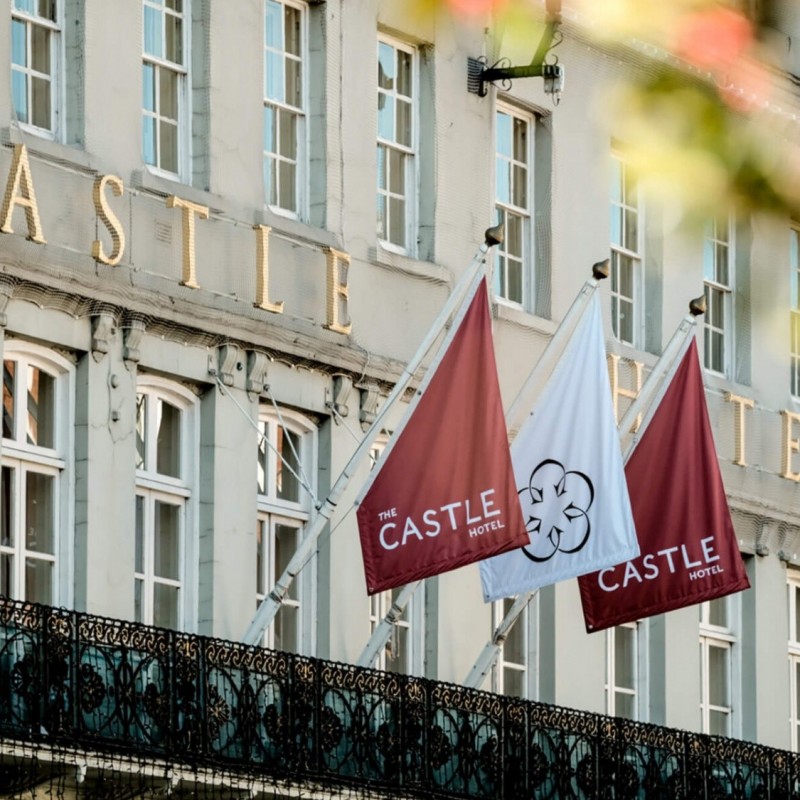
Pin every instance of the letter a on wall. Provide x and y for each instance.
(686, 537)
(443, 494)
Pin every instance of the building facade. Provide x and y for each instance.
(226, 227)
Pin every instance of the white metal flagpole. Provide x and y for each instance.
(377, 641)
(269, 606)
(666, 366)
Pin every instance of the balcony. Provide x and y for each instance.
(88, 700)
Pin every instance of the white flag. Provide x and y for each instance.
(570, 477)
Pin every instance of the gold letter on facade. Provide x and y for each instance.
(19, 192)
(262, 271)
(338, 293)
(188, 210)
(617, 391)
(741, 404)
(109, 219)
(789, 446)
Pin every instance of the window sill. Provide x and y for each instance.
(47, 149)
(397, 262)
(281, 223)
(523, 319)
(153, 183)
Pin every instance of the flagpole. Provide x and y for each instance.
(600, 270)
(381, 634)
(668, 363)
(662, 372)
(272, 602)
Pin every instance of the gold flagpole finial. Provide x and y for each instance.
(601, 270)
(494, 235)
(698, 306)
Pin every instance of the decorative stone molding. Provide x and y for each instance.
(257, 364)
(132, 333)
(225, 363)
(370, 397)
(342, 386)
(6, 292)
(103, 328)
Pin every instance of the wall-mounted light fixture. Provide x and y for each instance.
(479, 74)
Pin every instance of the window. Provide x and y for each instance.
(510, 670)
(35, 62)
(622, 671)
(284, 106)
(717, 640)
(164, 85)
(513, 159)
(403, 652)
(794, 658)
(286, 460)
(166, 455)
(35, 540)
(794, 309)
(718, 277)
(397, 112)
(626, 255)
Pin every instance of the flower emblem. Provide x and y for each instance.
(555, 504)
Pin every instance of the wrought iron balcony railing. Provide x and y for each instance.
(112, 686)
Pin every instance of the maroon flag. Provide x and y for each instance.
(444, 495)
(686, 537)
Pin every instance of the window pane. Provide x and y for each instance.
(40, 49)
(138, 600)
(521, 140)
(503, 122)
(520, 197)
(385, 117)
(168, 445)
(286, 540)
(718, 723)
(141, 436)
(7, 508)
(616, 226)
(149, 87)
(616, 181)
(397, 172)
(294, 87)
(404, 132)
(167, 540)
(385, 66)
(797, 689)
(287, 180)
(168, 146)
(625, 658)
(796, 594)
(139, 543)
(404, 74)
(287, 135)
(7, 588)
(261, 577)
(9, 373)
(722, 264)
(631, 230)
(153, 44)
(39, 512)
(397, 221)
(47, 9)
(502, 180)
(40, 102)
(262, 459)
(165, 605)
(514, 645)
(624, 705)
(513, 683)
(174, 40)
(25, 5)
(382, 221)
(41, 408)
(286, 628)
(39, 581)
(718, 612)
(19, 48)
(19, 89)
(273, 25)
(514, 230)
(168, 93)
(288, 486)
(274, 81)
(270, 130)
(398, 650)
(718, 675)
(292, 30)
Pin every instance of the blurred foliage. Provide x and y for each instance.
(702, 129)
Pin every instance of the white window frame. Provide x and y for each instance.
(619, 251)
(793, 646)
(640, 671)
(273, 510)
(300, 212)
(57, 461)
(412, 661)
(794, 309)
(183, 70)
(57, 67)
(156, 487)
(410, 154)
(528, 622)
(723, 638)
(524, 213)
(719, 293)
